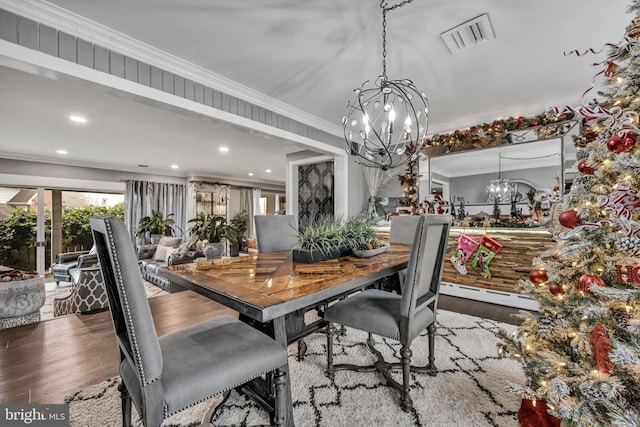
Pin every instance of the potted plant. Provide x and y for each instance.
(321, 240)
(211, 229)
(240, 222)
(22, 294)
(155, 226)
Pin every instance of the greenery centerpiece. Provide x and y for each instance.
(155, 225)
(211, 229)
(328, 238)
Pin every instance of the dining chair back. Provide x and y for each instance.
(276, 232)
(403, 229)
(403, 232)
(399, 317)
(164, 375)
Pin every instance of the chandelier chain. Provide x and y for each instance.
(385, 9)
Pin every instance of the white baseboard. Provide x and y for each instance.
(487, 295)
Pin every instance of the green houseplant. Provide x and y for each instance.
(212, 229)
(328, 238)
(155, 225)
(240, 221)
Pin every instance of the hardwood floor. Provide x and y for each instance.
(46, 361)
(496, 312)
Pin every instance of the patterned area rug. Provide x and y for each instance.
(469, 389)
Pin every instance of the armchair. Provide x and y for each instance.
(164, 375)
(68, 260)
(89, 294)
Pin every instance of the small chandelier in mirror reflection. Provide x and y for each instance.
(499, 190)
(386, 125)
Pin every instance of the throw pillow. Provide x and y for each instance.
(171, 242)
(161, 253)
(169, 252)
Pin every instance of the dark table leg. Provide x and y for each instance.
(280, 335)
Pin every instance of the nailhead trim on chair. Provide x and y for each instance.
(130, 328)
(416, 269)
(166, 414)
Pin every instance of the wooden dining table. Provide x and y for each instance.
(270, 288)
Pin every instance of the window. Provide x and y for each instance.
(262, 206)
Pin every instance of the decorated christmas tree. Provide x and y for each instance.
(581, 352)
(409, 181)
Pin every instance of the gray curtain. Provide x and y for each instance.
(249, 205)
(143, 197)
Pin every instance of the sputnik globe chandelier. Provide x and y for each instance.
(386, 125)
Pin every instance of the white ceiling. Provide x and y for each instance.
(123, 134)
(310, 54)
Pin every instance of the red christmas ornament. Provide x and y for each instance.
(584, 168)
(533, 413)
(569, 218)
(612, 68)
(534, 123)
(628, 141)
(520, 119)
(601, 349)
(586, 281)
(615, 144)
(538, 276)
(556, 289)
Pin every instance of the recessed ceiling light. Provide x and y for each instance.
(174, 166)
(224, 149)
(250, 173)
(77, 119)
(268, 170)
(62, 152)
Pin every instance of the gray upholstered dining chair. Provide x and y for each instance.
(398, 317)
(403, 232)
(278, 233)
(275, 232)
(403, 229)
(175, 371)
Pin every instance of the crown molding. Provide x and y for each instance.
(83, 28)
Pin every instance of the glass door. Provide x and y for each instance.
(36, 224)
(24, 225)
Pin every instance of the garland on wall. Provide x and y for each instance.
(497, 130)
(482, 135)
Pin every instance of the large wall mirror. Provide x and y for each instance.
(535, 164)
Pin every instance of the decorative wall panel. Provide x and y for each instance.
(315, 192)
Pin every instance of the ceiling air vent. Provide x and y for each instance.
(468, 34)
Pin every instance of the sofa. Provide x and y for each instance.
(68, 260)
(169, 251)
